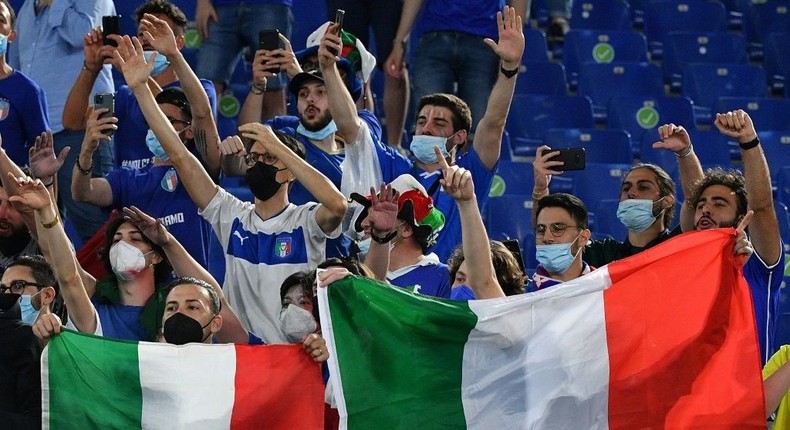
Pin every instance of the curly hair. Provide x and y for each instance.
(164, 7)
(730, 178)
(508, 272)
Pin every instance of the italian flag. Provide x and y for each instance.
(662, 340)
(92, 382)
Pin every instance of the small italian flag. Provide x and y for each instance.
(92, 382)
(663, 340)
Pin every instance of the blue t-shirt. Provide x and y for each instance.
(120, 321)
(476, 17)
(450, 235)
(428, 280)
(158, 191)
(764, 283)
(129, 139)
(23, 115)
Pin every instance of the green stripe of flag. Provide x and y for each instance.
(399, 354)
(81, 394)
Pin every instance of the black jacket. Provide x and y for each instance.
(20, 369)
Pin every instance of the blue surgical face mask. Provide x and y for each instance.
(320, 134)
(154, 146)
(29, 313)
(637, 214)
(422, 147)
(160, 62)
(3, 44)
(557, 257)
(364, 247)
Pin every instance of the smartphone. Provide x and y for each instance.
(574, 158)
(105, 100)
(269, 39)
(110, 24)
(338, 20)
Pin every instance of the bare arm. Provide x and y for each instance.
(342, 106)
(776, 387)
(382, 216)
(96, 191)
(75, 111)
(764, 227)
(509, 48)
(675, 138)
(395, 64)
(196, 180)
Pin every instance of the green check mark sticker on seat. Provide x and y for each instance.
(603, 53)
(229, 106)
(647, 117)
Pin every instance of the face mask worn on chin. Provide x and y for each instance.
(3, 44)
(29, 313)
(181, 329)
(297, 323)
(318, 134)
(154, 146)
(262, 180)
(556, 257)
(422, 147)
(160, 62)
(364, 247)
(126, 260)
(637, 214)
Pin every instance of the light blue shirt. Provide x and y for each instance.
(48, 49)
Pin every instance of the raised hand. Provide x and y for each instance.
(263, 134)
(30, 192)
(159, 35)
(330, 43)
(129, 56)
(148, 225)
(285, 58)
(543, 168)
(510, 46)
(92, 43)
(205, 11)
(41, 156)
(456, 181)
(674, 138)
(383, 211)
(736, 124)
(232, 146)
(96, 127)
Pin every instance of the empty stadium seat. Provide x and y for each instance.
(705, 83)
(643, 115)
(536, 77)
(681, 48)
(775, 59)
(601, 146)
(664, 17)
(783, 186)
(766, 113)
(601, 15)
(598, 182)
(509, 218)
(761, 19)
(531, 115)
(606, 221)
(600, 46)
(601, 82)
(535, 46)
(776, 146)
(517, 178)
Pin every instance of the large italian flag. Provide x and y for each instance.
(92, 382)
(665, 339)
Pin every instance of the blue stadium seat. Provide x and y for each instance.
(783, 217)
(535, 46)
(643, 115)
(601, 15)
(541, 77)
(783, 186)
(775, 59)
(509, 217)
(506, 151)
(663, 17)
(705, 83)
(598, 182)
(531, 115)
(761, 19)
(600, 46)
(776, 146)
(311, 15)
(660, 157)
(126, 10)
(601, 146)
(601, 82)
(681, 48)
(189, 7)
(766, 113)
(606, 221)
(517, 178)
(711, 148)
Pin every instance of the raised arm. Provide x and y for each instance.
(509, 48)
(75, 112)
(382, 216)
(184, 265)
(58, 252)
(263, 64)
(342, 106)
(675, 138)
(764, 227)
(333, 204)
(481, 278)
(84, 188)
(196, 180)
(159, 34)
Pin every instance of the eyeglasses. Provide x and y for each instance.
(253, 157)
(175, 121)
(557, 229)
(18, 286)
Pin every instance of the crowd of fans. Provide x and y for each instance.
(327, 190)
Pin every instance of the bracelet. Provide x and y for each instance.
(51, 223)
(52, 181)
(685, 153)
(750, 144)
(258, 89)
(540, 195)
(85, 66)
(508, 73)
(388, 237)
(87, 171)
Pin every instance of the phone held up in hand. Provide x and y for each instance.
(105, 100)
(573, 158)
(339, 21)
(110, 24)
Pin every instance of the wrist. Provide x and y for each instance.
(49, 182)
(749, 144)
(84, 171)
(537, 195)
(685, 153)
(508, 71)
(90, 68)
(258, 89)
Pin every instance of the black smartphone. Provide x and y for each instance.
(339, 21)
(110, 24)
(269, 39)
(574, 158)
(105, 100)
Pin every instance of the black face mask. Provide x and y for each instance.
(181, 329)
(262, 180)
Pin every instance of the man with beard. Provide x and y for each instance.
(15, 239)
(722, 198)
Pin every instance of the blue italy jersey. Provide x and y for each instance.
(23, 115)
(120, 321)
(764, 283)
(430, 280)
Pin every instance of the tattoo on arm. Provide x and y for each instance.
(200, 141)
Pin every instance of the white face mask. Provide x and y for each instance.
(297, 323)
(127, 261)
